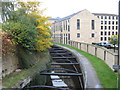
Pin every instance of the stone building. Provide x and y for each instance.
(85, 27)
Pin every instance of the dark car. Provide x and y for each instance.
(99, 44)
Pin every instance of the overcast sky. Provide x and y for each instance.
(62, 8)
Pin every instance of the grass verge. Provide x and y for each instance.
(107, 77)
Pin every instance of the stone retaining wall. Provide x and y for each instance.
(109, 57)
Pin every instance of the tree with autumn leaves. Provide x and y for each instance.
(27, 27)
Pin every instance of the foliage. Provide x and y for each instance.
(27, 27)
(44, 34)
(21, 29)
(114, 39)
(7, 44)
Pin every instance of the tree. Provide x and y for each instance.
(114, 39)
(27, 28)
(7, 6)
(44, 33)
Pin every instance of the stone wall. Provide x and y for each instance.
(109, 57)
(9, 63)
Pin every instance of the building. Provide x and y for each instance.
(85, 27)
(108, 25)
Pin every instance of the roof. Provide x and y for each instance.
(57, 18)
(104, 14)
(67, 17)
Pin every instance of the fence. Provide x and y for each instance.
(109, 57)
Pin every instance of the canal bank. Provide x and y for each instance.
(21, 77)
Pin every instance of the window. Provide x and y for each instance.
(98, 16)
(105, 22)
(66, 25)
(105, 17)
(101, 33)
(108, 38)
(116, 33)
(113, 22)
(112, 27)
(101, 38)
(109, 22)
(68, 36)
(109, 17)
(105, 38)
(78, 24)
(68, 28)
(101, 27)
(112, 33)
(116, 27)
(116, 17)
(66, 39)
(101, 22)
(108, 33)
(92, 35)
(105, 33)
(113, 17)
(101, 17)
(116, 22)
(109, 27)
(78, 35)
(105, 27)
(93, 24)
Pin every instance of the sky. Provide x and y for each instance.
(62, 8)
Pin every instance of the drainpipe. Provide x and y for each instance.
(118, 78)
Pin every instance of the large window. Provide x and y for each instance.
(78, 24)
(68, 36)
(78, 35)
(68, 28)
(93, 24)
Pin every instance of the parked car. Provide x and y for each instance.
(99, 44)
(107, 45)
